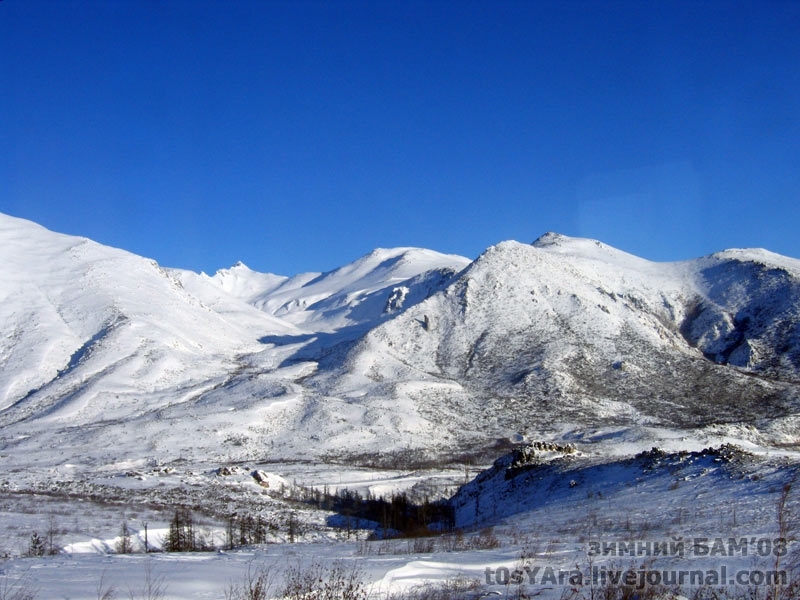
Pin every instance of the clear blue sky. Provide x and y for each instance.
(297, 136)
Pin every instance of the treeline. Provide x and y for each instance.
(395, 516)
(240, 530)
(183, 535)
(392, 517)
(248, 530)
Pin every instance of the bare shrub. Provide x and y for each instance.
(105, 591)
(336, 582)
(485, 540)
(256, 584)
(422, 545)
(456, 588)
(452, 542)
(19, 590)
(154, 586)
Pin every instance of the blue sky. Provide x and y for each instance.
(297, 136)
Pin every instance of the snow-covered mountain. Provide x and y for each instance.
(85, 322)
(572, 333)
(405, 353)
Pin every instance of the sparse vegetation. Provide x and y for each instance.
(255, 584)
(183, 535)
(104, 590)
(154, 586)
(248, 530)
(339, 581)
(124, 543)
(456, 588)
(19, 590)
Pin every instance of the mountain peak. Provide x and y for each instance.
(759, 255)
(550, 238)
(573, 244)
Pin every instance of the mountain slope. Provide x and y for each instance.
(92, 328)
(403, 354)
(101, 344)
(570, 333)
(362, 292)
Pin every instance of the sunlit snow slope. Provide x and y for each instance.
(569, 334)
(92, 331)
(108, 359)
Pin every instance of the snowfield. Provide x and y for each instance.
(564, 393)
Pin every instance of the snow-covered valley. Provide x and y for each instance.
(128, 390)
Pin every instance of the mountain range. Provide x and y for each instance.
(404, 356)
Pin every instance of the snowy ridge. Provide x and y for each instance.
(242, 282)
(573, 332)
(353, 294)
(404, 350)
(92, 322)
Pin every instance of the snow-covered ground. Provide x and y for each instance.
(664, 514)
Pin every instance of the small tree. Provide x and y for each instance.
(36, 546)
(51, 547)
(293, 527)
(124, 544)
(181, 537)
